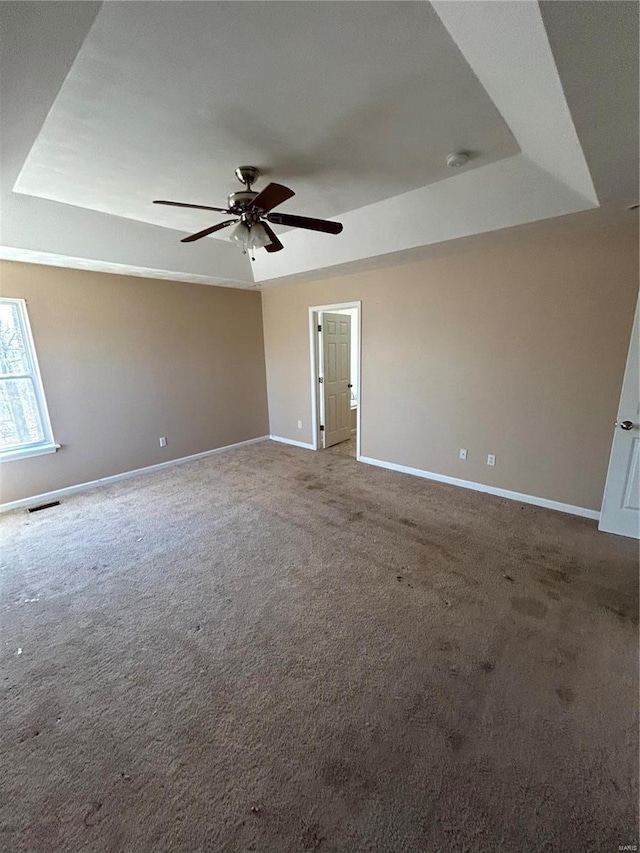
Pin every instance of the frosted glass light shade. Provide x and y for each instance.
(259, 236)
(240, 235)
(250, 238)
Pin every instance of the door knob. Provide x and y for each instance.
(626, 425)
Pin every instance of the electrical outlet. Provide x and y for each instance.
(163, 441)
(299, 424)
(491, 459)
(463, 453)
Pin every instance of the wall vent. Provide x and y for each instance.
(43, 506)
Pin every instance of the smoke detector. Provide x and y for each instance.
(457, 159)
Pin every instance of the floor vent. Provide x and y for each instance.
(43, 506)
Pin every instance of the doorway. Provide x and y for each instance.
(336, 384)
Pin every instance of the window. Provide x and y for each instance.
(25, 429)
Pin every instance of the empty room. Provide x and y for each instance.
(319, 426)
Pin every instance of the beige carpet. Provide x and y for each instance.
(345, 448)
(277, 650)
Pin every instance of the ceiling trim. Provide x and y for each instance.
(30, 256)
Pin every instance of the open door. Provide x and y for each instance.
(621, 505)
(336, 377)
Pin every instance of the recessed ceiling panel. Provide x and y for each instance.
(347, 103)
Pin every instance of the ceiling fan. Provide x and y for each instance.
(254, 213)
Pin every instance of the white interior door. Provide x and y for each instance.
(336, 377)
(621, 505)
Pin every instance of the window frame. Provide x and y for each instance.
(47, 445)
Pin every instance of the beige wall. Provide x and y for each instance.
(125, 360)
(516, 350)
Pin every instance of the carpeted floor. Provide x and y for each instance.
(276, 650)
(345, 448)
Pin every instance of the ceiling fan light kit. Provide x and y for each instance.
(250, 237)
(253, 212)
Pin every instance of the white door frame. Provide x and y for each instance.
(315, 365)
(618, 483)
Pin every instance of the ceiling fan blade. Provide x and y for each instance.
(305, 222)
(194, 206)
(275, 245)
(271, 196)
(207, 231)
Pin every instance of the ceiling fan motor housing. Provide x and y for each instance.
(241, 200)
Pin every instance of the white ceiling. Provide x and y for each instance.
(353, 104)
(595, 46)
(350, 103)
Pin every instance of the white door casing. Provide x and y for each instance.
(621, 505)
(336, 376)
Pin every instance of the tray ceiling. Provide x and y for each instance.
(355, 105)
(349, 103)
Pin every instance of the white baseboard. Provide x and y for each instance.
(292, 441)
(481, 487)
(103, 481)
(392, 466)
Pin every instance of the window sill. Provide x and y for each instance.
(26, 452)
